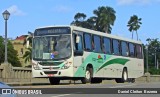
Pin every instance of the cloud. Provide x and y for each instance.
(62, 9)
(14, 10)
(139, 2)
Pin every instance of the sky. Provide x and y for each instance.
(27, 15)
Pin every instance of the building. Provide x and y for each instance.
(20, 48)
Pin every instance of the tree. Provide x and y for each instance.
(105, 17)
(153, 48)
(102, 21)
(134, 24)
(28, 55)
(79, 20)
(12, 54)
(28, 38)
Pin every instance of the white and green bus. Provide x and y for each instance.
(70, 52)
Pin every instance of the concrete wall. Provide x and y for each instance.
(22, 75)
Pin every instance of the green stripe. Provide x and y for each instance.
(114, 61)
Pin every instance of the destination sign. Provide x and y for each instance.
(52, 31)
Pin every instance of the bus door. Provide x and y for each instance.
(78, 53)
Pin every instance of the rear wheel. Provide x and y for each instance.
(88, 76)
(131, 80)
(124, 77)
(54, 81)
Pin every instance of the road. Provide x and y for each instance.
(78, 90)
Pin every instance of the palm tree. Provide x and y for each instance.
(134, 24)
(79, 20)
(28, 55)
(80, 17)
(28, 38)
(105, 17)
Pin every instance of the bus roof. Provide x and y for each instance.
(95, 32)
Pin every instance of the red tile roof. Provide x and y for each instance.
(23, 37)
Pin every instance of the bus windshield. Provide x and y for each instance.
(51, 47)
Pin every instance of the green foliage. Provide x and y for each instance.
(102, 21)
(154, 71)
(12, 54)
(28, 38)
(28, 55)
(134, 24)
(153, 48)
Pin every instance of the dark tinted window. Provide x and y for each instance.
(87, 42)
(132, 49)
(97, 44)
(107, 45)
(139, 51)
(124, 47)
(116, 48)
(78, 46)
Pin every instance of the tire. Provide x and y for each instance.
(131, 80)
(96, 80)
(124, 77)
(54, 81)
(118, 80)
(88, 76)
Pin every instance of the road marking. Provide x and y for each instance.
(122, 86)
(65, 94)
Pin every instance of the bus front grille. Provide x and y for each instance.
(50, 72)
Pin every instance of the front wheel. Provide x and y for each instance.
(88, 76)
(54, 81)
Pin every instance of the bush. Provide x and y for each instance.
(154, 71)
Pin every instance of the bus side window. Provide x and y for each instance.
(116, 47)
(132, 50)
(87, 42)
(97, 44)
(78, 43)
(106, 45)
(138, 51)
(124, 48)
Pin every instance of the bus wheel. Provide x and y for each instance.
(124, 77)
(96, 80)
(54, 81)
(88, 76)
(131, 80)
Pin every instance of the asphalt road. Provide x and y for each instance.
(78, 90)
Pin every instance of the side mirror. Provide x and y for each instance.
(77, 39)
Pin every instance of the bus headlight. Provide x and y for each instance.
(66, 65)
(36, 67)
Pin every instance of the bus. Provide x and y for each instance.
(75, 53)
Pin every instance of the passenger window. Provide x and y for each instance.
(124, 47)
(116, 47)
(78, 46)
(132, 49)
(97, 44)
(107, 45)
(87, 42)
(139, 51)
